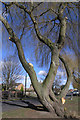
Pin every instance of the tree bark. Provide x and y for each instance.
(69, 78)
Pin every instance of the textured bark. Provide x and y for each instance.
(53, 106)
(48, 82)
(69, 78)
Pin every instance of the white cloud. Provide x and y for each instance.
(42, 73)
(60, 73)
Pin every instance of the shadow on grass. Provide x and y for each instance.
(30, 105)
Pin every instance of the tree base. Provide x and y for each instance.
(71, 115)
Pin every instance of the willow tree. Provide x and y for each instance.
(51, 23)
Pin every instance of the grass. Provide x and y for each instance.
(25, 113)
(18, 113)
(73, 105)
(70, 105)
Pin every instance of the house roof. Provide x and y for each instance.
(16, 84)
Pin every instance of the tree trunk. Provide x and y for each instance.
(43, 91)
(54, 107)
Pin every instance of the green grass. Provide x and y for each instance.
(18, 113)
(71, 105)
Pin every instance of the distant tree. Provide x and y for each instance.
(22, 90)
(57, 81)
(11, 72)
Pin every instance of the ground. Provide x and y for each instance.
(31, 108)
(73, 105)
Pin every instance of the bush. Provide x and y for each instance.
(20, 94)
(5, 94)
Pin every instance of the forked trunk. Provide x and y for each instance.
(53, 107)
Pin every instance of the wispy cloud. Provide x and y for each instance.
(42, 73)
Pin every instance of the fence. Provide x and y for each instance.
(12, 94)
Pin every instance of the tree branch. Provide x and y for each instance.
(48, 82)
(62, 32)
(69, 78)
(43, 39)
(7, 4)
(43, 13)
(52, 95)
(27, 66)
(75, 78)
(36, 6)
(9, 29)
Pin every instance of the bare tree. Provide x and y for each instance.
(11, 72)
(52, 26)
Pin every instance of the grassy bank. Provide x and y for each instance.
(70, 105)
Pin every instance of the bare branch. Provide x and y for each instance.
(75, 78)
(11, 71)
(36, 6)
(62, 20)
(22, 7)
(69, 78)
(9, 29)
(52, 95)
(43, 13)
(54, 11)
(41, 38)
(7, 4)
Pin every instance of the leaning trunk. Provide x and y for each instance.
(55, 106)
(46, 96)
